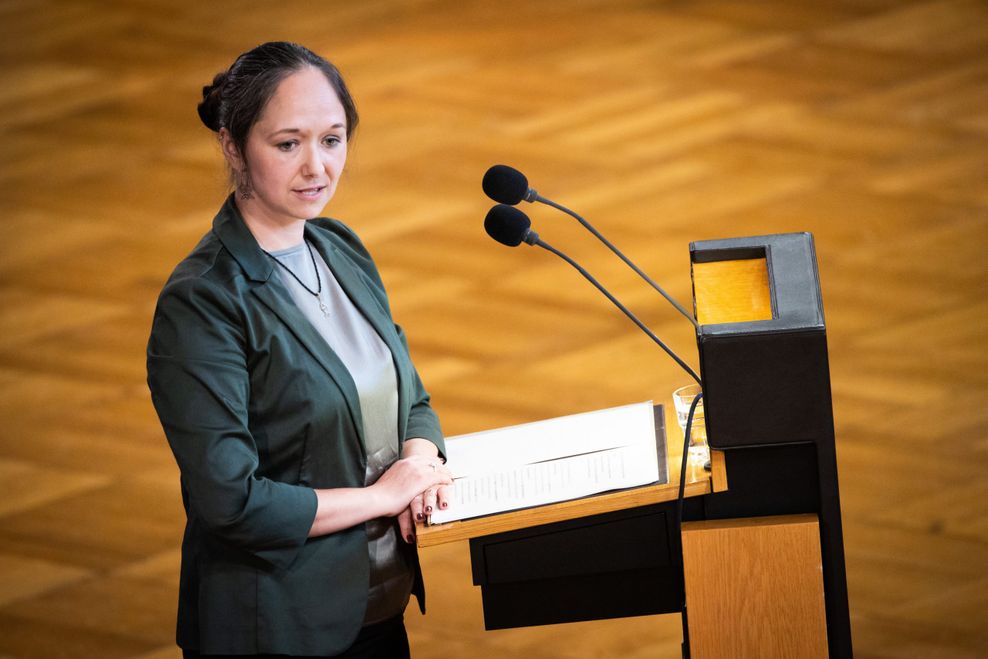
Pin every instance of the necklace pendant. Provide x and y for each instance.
(323, 308)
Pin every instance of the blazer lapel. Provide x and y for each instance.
(236, 237)
(279, 301)
(358, 289)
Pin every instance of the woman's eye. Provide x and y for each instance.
(331, 140)
(286, 146)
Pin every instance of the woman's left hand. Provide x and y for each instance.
(432, 499)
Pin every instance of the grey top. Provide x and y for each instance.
(371, 366)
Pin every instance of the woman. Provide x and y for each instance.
(304, 436)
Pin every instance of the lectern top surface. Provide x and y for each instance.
(793, 280)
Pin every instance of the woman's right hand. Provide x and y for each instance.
(407, 478)
(341, 508)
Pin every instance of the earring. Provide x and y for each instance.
(243, 184)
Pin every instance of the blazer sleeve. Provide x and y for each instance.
(197, 374)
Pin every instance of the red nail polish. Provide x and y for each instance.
(409, 538)
(419, 516)
(443, 505)
(428, 509)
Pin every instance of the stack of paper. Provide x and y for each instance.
(554, 460)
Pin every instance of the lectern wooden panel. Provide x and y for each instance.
(753, 588)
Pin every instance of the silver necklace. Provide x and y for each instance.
(315, 293)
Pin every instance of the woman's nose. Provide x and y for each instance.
(312, 164)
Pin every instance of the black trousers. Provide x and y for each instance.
(382, 640)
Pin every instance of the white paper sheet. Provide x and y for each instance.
(549, 461)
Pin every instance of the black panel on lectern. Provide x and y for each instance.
(577, 599)
(635, 542)
(768, 480)
(766, 388)
(623, 563)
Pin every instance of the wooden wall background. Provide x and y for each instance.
(865, 122)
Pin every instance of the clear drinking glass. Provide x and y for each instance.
(682, 398)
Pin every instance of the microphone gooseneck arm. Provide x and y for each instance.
(533, 239)
(534, 196)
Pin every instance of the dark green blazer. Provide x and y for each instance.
(259, 411)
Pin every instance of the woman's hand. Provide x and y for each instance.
(429, 499)
(408, 478)
(405, 481)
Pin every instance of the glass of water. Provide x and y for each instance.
(682, 398)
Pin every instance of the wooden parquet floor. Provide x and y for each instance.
(865, 122)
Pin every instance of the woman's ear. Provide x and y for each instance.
(230, 151)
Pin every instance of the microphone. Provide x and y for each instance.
(507, 185)
(509, 226)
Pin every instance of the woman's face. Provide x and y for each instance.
(296, 150)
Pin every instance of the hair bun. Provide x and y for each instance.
(210, 108)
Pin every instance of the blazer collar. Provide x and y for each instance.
(356, 285)
(232, 231)
(230, 228)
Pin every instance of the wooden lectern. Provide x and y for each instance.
(760, 555)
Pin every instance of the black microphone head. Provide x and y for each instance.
(507, 225)
(505, 184)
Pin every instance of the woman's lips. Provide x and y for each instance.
(310, 192)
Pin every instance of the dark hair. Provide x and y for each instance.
(237, 96)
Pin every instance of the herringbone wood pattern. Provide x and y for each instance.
(865, 122)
